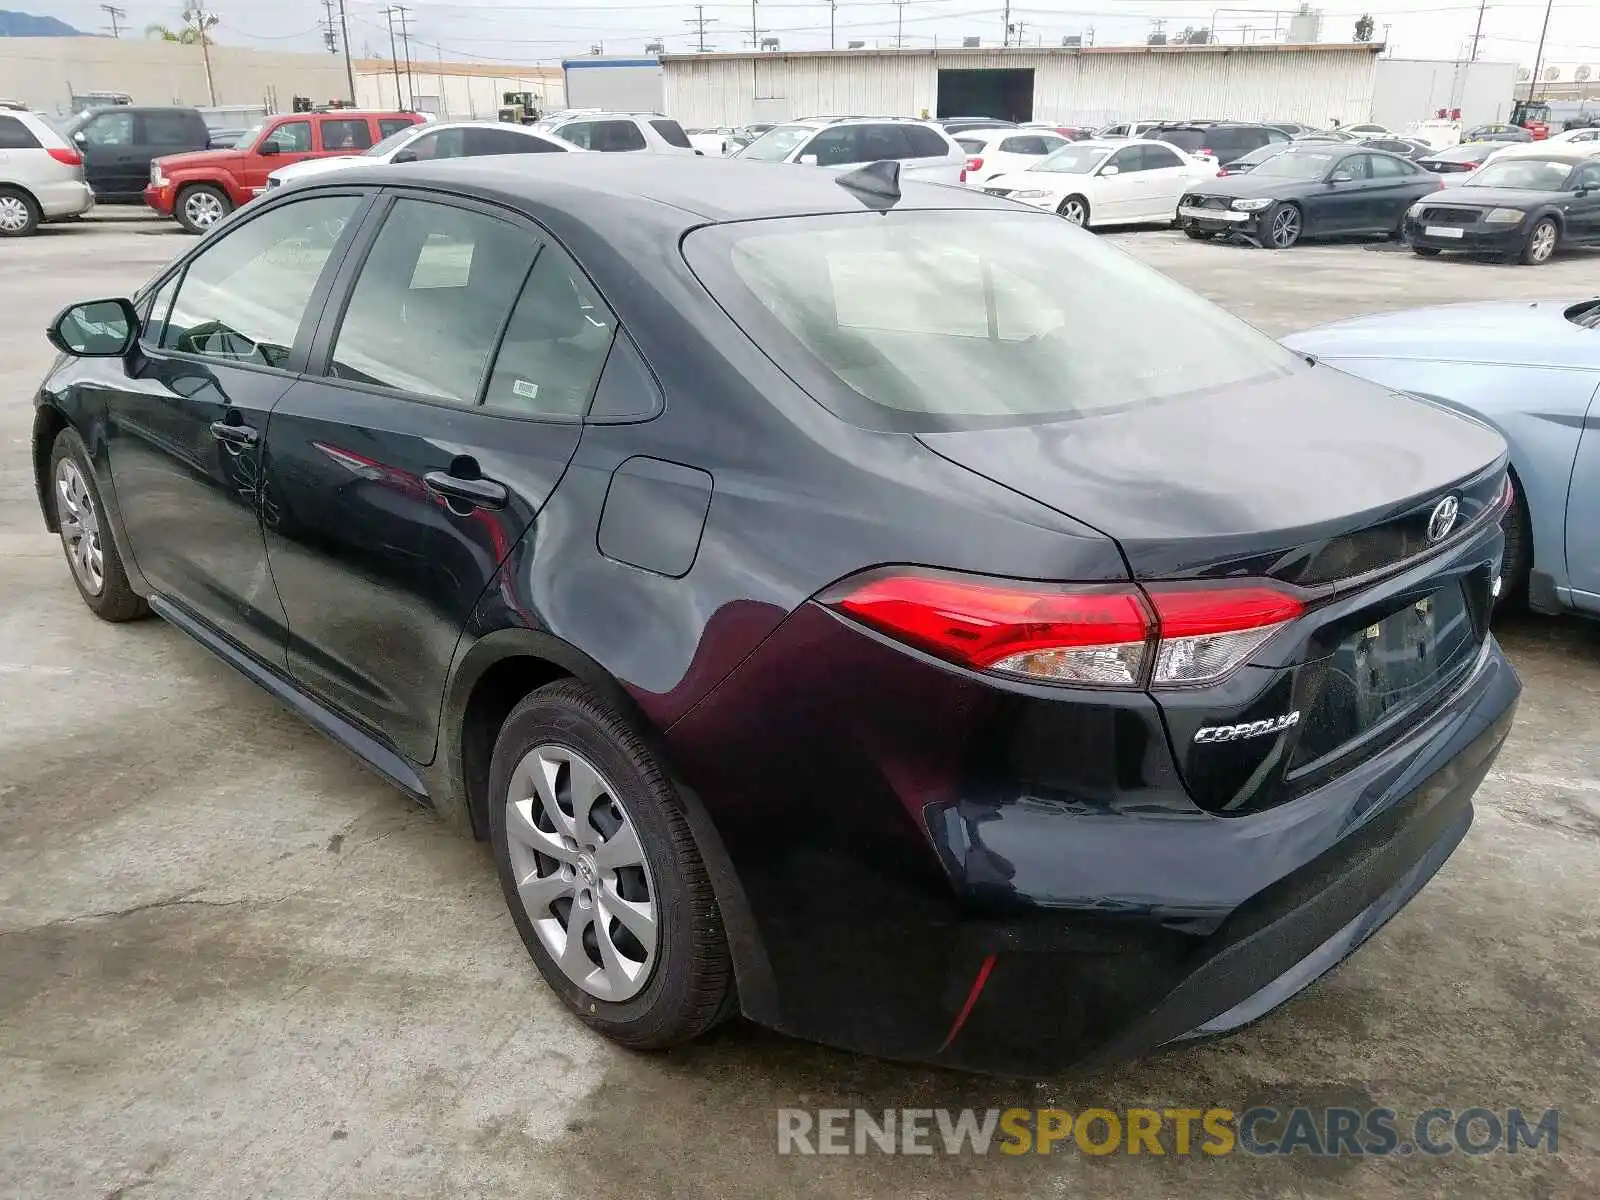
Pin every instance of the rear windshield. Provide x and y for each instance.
(939, 320)
(775, 144)
(1463, 154)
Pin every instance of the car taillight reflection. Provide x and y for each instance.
(67, 158)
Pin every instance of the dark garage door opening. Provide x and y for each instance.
(1005, 94)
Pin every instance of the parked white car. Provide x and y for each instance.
(710, 142)
(1127, 129)
(924, 150)
(1574, 139)
(424, 143)
(992, 152)
(1121, 182)
(622, 133)
(41, 175)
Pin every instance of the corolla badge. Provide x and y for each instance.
(1443, 518)
(1250, 729)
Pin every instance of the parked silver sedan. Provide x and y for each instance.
(41, 175)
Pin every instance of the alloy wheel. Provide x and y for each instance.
(1543, 242)
(1286, 228)
(203, 209)
(80, 527)
(581, 873)
(13, 214)
(1074, 211)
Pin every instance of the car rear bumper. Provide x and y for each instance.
(1475, 239)
(1068, 921)
(65, 198)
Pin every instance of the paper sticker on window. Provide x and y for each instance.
(528, 391)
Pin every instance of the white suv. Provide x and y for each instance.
(620, 133)
(41, 175)
(924, 149)
(428, 142)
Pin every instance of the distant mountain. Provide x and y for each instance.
(16, 24)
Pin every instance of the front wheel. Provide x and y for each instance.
(601, 872)
(1283, 226)
(1075, 209)
(1541, 244)
(81, 519)
(200, 206)
(1201, 235)
(1517, 561)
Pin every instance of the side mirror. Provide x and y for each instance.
(404, 156)
(808, 160)
(1340, 177)
(1111, 170)
(270, 147)
(96, 329)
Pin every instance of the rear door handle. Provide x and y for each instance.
(480, 493)
(234, 435)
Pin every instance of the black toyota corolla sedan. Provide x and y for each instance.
(1311, 189)
(1523, 207)
(827, 597)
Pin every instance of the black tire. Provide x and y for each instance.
(1201, 235)
(1426, 251)
(197, 193)
(1277, 213)
(115, 600)
(1542, 240)
(691, 984)
(16, 199)
(1516, 564)
(1065, 209)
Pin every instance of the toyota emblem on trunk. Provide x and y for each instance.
(1443, 518)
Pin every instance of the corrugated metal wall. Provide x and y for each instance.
(1091, 88)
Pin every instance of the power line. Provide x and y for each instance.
(700, 21)
(116, 14)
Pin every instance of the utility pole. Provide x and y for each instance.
(330, 38)
(116, 14)
(202, 21)
(1478, 32)
(394, 59)
(1538, 56)
(700, 21)
(405, 47)
(833, 16)
(900, 24)
(344, 36)
(755, 40)
(1006, 38)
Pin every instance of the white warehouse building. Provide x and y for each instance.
(1090, 86)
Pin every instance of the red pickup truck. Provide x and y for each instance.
(198, 189)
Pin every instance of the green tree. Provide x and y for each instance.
(187, 36)
(1364, 27)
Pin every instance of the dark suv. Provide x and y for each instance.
(1221, 140)
(119, 143)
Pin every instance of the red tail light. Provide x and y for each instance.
(975, 163)
(1096, 635)
(1206, 150)
(67, 158)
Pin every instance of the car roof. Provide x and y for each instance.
(625, 190)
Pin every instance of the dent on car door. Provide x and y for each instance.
(444, 404)
(187, 412)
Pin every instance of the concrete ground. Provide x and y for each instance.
(235, 963)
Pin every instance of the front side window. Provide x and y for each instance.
(243, 298)
(292, 137)
(951, 320)
(350, 136)
(1297, 164)
(441, 143)
(1073, 160)
(555, 344)
(430, 301)
(391, 142)
(1128, 159)
(110, 129)
(834, 147)
(1588, 178)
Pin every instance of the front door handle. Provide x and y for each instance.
(234, 435)
(479, 493)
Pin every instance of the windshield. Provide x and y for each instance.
(1077, 159)
(1297, 164)
(1260, 155)
(775, 145)
(393, 141)
(1534, 174)
(249, 136)
(969, 318)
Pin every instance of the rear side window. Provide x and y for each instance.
(1154, 158)
(876, 142)
(555, 345)
(14, 135)
(952, 320)
(671, 132)
(1384, 167)
(973, 145)
(242, 298)
(502, 141)
(925, 143)
(1187, 140)
(430, 301)
(388, 125)
(608, 137)
(346, 135)
(172, 129)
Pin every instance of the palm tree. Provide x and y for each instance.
(187, 36)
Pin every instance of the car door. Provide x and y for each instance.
(445, 396)
(1163, 177)
(224, 338)
(1118, 190)
(1583, 209)
(1394, 186)
(291, 142)
(109, 156)
(1341, 204)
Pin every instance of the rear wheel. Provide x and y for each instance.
(1283, 226)
(1075, 209)
(200, 206)
(1426, 251)
(602, 874)
(19, 213)
(1541, 244)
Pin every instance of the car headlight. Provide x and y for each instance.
(1030, 194)
(1504, 216)
(156, 177)
(1251, 205)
